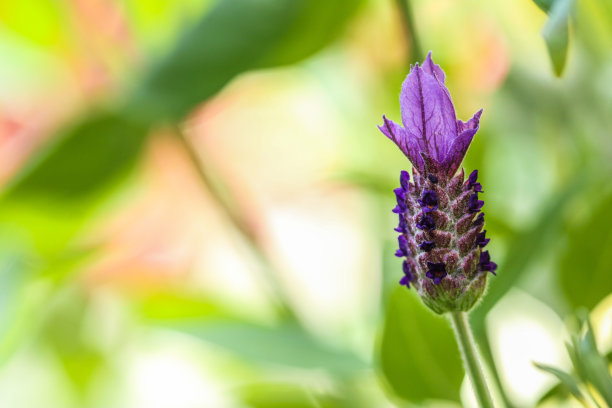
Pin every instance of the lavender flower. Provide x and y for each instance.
(440, 219)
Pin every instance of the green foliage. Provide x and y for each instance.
(56, 191)
(566, 379)
(530, 243)
(556, 34)
(418, 354)
(591, 374)
(586, 267)
(285, 345)
(214, 51)
(285, 395)
(556, 30)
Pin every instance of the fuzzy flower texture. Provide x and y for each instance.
(440, 220)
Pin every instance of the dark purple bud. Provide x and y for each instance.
(398, 210)
(405, 180)
(402, 226)
(436, 271)
(400, 195)
(481, 240)
(485, 263)
(474, 204)
(432, 178)
(429, 200)
(480, 219)
(472, 184)
(472, 178)
(403, 245)
(426, 222)
(427, 245)
(408, 276)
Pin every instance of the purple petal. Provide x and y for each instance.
(433, 69)
(470, 124)
(405, 180)
(428, 116)
(398, 135)
(458, 150)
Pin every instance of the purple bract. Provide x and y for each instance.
(430, 124)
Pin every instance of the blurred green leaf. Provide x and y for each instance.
(544, 5)
(181, 306)
(214, 51)
(49, 200)
(418, 354)
(42, 22)
(565, 378)
(590, 368)
(558, 391)
(329, 18)
(523, 249)
(586, 267)
(556, 32)
(285, 395)
(63, 332)
(287, 345)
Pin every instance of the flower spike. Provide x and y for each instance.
(441, 224)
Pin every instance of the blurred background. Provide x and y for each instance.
(196, 206)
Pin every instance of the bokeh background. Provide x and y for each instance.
(196, 200)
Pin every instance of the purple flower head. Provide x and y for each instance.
(441, 239)
(430, 127)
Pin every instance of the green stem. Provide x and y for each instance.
(242, 224)
(410, 30)
(469, 353)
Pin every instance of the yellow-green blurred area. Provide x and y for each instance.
(196, 206)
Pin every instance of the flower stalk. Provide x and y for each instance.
(471, 360)
(440, 220)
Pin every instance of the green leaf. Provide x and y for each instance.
(285, 395)
(236, 36)
(556, 33)
(544, 5)
(524, 249)
(287, 345)
(418, 354)
(558, 391)
(586, 267)
(176, 306)
(590, 364)
(566, 379)
(50, 198)
(329, 18)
